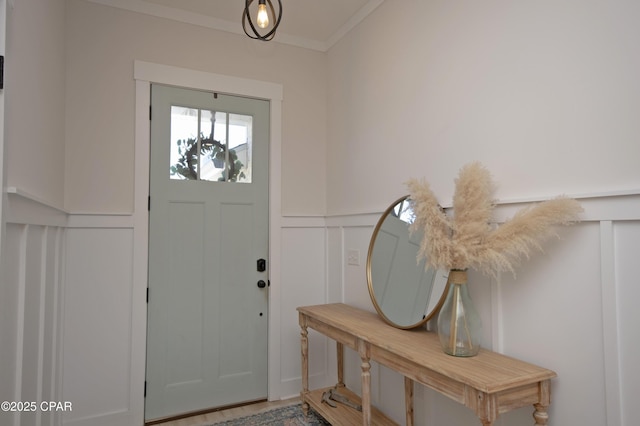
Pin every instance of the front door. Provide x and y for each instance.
(208, 243)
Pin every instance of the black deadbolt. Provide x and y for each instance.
(262, 265)
(262, 284)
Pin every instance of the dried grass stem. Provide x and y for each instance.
(468, 239)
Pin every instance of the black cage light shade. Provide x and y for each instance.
(266, 19)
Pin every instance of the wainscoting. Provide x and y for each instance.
(73, 300)
(70, 327)
(571, 308)
(31, 309)
(105, 318)
(98, 324)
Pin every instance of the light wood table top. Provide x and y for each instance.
(489, 383)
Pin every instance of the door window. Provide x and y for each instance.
(210, 145)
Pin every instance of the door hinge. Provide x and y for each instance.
(145, 388)
(147, 294)
(149, 203)
(1, 72)
(149, 112)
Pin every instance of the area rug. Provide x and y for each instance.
(284, 416)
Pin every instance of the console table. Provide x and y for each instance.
(489, 383)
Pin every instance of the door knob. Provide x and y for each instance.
(262, 284)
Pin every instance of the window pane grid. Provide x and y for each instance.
(210, 145)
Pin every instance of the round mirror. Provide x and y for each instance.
(405, 294)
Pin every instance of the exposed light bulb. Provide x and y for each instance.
(266, 22)
(263, 17)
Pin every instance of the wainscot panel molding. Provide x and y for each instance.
(105, 318)
(569, 308)
(101, 221)
(31, 308)
(303, 281)
(99, 332)
(354, 220)
(26, 209)
(71, 272)
(303, 222)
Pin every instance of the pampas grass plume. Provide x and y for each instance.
(468, 239)
(436, 244)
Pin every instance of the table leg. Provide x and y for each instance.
(486, 406)
(340, 358)
(304, 345)
(365, 355)
(408, 400)
(541, 415)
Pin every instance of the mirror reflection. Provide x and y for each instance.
(402, 291)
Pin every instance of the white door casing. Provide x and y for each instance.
(146, 73)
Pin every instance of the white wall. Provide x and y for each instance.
(83, 159)
(35, 95)
(545, 94)
(32, 234)
(103, 42)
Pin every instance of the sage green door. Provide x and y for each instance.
(208, 230)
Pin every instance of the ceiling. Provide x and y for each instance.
(314, 24)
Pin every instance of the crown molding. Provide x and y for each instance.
(160, 11)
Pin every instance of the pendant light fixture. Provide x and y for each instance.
(265, 19)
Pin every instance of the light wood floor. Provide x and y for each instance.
(231, 413)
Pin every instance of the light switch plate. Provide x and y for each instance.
(353, 257)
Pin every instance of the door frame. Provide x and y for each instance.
(146, 73)
(3, 194)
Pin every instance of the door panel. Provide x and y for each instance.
(208, 224)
